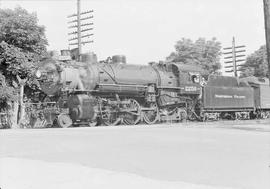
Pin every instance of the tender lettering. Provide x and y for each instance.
(223, 96)
(229, 96)
(239, 97)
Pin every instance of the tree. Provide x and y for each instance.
(20, 29)
(6, 93)
(256, 64)
(205, 53)
(22, 44)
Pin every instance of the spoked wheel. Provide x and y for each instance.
(111, 118)
(64, 121)
(180, 114)
(183, 114)
(264, 115)
(38, 121)
(151, 115)
(133, 113)
(267, 114)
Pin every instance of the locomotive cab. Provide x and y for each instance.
(189, 78)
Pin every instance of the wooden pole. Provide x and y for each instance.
(234, 58)
(21, 103)
(79, 29)
(266, 4)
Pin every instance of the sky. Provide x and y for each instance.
(147, 30)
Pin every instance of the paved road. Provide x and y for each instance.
(228, 154)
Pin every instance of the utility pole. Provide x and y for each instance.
(266, 5)
(80, 28)
(233, 57)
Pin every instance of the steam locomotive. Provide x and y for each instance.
(113, 92)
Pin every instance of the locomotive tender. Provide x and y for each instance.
(113, 92)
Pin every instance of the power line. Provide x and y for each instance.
(233, 55)
(81, 28)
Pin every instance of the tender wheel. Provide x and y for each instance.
(151, 116)
(133, 114)
(268, 114)
(64, 121)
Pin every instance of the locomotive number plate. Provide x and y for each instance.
(190, 88)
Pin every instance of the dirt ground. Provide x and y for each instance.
(229, 154)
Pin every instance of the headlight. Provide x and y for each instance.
(38, 74)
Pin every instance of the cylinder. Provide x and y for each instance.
(81, 107)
